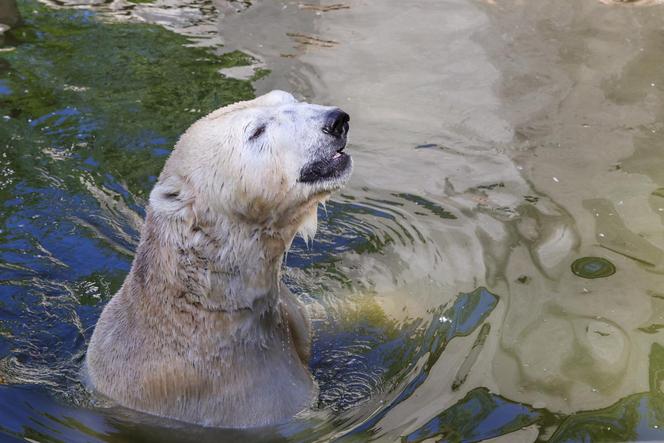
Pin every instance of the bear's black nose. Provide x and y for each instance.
(336, 123)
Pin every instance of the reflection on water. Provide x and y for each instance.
(493, 269)
(468, 311)
(637, 417)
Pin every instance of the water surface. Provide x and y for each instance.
(496, 144)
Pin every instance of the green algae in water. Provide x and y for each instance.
(593, 267)
(106, 99)
(236, 58)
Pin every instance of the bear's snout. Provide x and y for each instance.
(336, 123)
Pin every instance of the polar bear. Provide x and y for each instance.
(203, 330)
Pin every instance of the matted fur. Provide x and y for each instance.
(203, 330)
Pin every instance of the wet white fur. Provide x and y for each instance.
(202, 329)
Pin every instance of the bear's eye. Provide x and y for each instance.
(257, 133)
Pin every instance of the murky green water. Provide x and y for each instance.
(493, 271)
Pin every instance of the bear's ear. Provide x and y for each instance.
(274, 98)
(170, 195)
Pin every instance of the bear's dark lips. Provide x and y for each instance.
(326, 169)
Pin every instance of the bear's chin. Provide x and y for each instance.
(334, 169)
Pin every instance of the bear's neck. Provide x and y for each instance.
(216, 266)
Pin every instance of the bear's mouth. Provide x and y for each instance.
(330, 168)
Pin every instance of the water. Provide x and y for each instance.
(496, 144)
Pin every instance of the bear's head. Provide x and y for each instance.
(266, 162)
